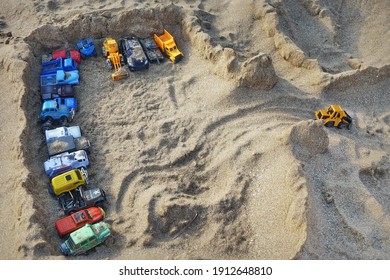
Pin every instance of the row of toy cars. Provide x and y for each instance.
(138, 53)
(68, 162)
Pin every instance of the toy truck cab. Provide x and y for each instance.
(64, 162)
(77, 220)
(109, 46)
(85, 238)
(73, 131)
(69, 102)
(334, 115)
(81, 198)
(168, 46)
(68, 181)
(52, 110)
(53, 66)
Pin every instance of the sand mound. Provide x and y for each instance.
(308, 139)
(258, 72)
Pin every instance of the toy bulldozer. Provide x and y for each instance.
(334, 115)
(114, 59)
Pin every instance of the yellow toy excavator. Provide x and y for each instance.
(334, 116)
(114, 59)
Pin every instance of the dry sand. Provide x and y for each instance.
(216, 157)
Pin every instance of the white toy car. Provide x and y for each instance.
(66, 161)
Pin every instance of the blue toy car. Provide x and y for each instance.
(86, 48)
(60, 78)
(53, 66)
(52, 111)
(69, 102)
(134, 54)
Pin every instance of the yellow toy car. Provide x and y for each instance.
(68, 181)
(334, 115)
(167, 45)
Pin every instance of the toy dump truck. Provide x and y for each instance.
(167, 45)
(334, 115)
(65, 139)
(53, 66)
(81, 198)
(114, 59)
(73, 54)
(85, 238)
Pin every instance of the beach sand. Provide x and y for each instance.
(217, 156)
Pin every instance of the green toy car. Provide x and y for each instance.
(85, 238)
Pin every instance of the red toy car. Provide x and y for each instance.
(77, 220)
(73, 54)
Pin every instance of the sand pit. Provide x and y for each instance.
(218, 156)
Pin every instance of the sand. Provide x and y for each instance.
(217, 156)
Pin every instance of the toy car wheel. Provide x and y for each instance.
(329, 124)
(109, 64)
(94, 53)
(46, 126)
(63, 120)
(342, 125)
(103, 51)
(48, 119)
(100, 204)
(69, 212)
(50, 191)
(83, 56)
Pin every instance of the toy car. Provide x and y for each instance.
(81, 198)
(64, 162)
(53, 66)
(60, 78)
(134, 54)
(77, 220)
(114, 59)
(68, 181)
(151, 50)
(73, 54)
(53, 111)
(85, 238)
(167, 45)
(86, 48)
(51, 92)
(334, 116)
